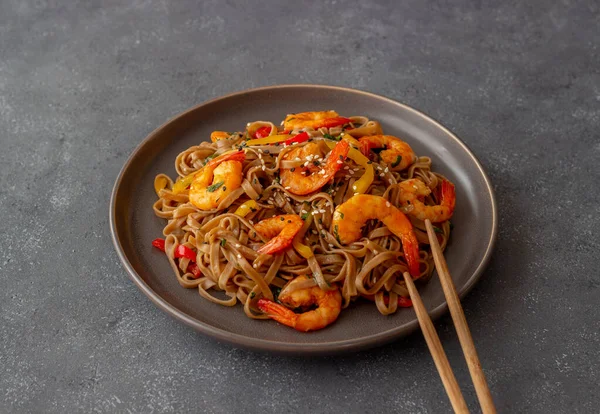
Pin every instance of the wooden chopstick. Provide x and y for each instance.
(437, 351)
(460, 323)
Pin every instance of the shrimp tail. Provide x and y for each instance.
(278, 312)
(232, 156)
(275, 245)
(410, 246)
(448, 196)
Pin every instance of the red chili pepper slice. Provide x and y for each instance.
(333, 122)
(404, 302)
(159, 244)
(183, 251)
(195, 270)
(262, 132)
(302, 137)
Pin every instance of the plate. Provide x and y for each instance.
(134, 225)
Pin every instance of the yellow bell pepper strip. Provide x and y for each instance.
(300, 247)
(362, 184)
(271, 139)
(160, 183)
(183, 183)
(245, 208)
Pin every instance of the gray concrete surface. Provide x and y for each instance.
(82, 83)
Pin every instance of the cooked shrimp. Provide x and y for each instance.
(396, 153)
(351, 216)
(281, 230)
(306, 180)
(414, 190)
(218, 135)
(329, 306)
(313, 120)
(216, 180)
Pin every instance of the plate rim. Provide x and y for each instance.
(258, 344)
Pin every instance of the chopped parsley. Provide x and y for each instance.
(437, 229)
(397, 162)
(336, 234)
(252, 295)
(341, 215)
(223, 242)
(331, 137)
(304, 216)
(215, 186)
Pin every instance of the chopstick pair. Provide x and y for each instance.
(462, 329)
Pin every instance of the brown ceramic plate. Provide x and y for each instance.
(134, 225)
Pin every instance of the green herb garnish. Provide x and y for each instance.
(215, 186)
(397, 162)
(437, 229)
(223, 242)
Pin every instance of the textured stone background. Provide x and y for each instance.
(81, 85)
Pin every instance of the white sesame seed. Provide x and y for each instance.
(313, 231)
(387, 204)
(238, 245)
(304, 211)
(354, 187)
(250, 221)
(386, 170)
(346, 168)
(382, 175)
(284, 145)
(331, 245)
(255, 265)
(297, 159)
(379, 168)
(239, 256)
(322, 211)
(287, 187)
(294, 143)
(270, 201)
(390, 181)
(306, 164)
(314, 212)
(355, 193)
(259, 150)
(263, 168)
(340, 161)
(321, 172)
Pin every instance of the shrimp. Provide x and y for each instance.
(313, 120)
(351, 216)
(396, 153)
(280, 229)
(219, 135)
(329, 306)
(216, 180)
(414, 190)
(306, 180)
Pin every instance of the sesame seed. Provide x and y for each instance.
(287, 187)
(250, 221)
(314, 231)
(255, 265)
(297, 159)
(259, 150)
(314, 212)
(382, 175)
(354, 187)
(387, 204)
(321, 172)
(304, 211)
(263, 168)
(340, 161)
(379, 168)
(238, 245)
(355, 193)
(331, 245)
(270, 201)
(346, 168)
(390, 181)
(386, 170)
(239, 256)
